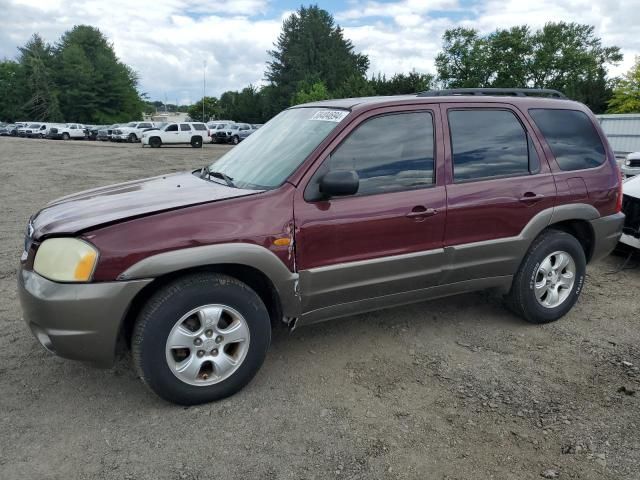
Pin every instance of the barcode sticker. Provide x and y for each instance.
(329, 115)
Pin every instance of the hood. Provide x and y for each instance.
(92, 208)
(631, 187)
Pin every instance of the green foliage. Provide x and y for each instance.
(310, 93)
(626, 93)
(79, 79)
(211, 109)
(312, 48)
(564, 56)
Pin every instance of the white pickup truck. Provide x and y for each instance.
(131, 132)
(193, 133)
(67, 132)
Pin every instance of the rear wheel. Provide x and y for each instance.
(155, 142)
(550, 278)
(201, 338)
(196, 142)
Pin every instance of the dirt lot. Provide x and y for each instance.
(451, 389)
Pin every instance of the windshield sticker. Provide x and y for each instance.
(330, 115)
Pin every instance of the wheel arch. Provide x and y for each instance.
(254, 265)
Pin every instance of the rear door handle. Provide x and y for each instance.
(531, 197)
(421, 212)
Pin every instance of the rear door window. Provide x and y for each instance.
(489, 143)
(185, 127)
(571, 136)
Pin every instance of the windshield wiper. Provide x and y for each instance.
(208, 173)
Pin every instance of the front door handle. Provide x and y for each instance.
(421, 212)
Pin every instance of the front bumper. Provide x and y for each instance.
(80, 321)
(607, 231)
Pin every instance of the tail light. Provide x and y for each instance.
(620, 194)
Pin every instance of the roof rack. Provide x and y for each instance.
(514, 92)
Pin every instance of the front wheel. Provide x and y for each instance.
(132, 138)
(155, 142)
(235, 140)
(550, 279)
(201, 338)
(65, 136)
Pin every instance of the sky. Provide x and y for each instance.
(171, 44)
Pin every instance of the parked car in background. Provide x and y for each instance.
(69, 131)
(131, 132)
(192, 133)
(631, 165)
(104, 134)
(36, 130)
(92, 131)
(234, 133)
(14, 131)
(7, 129)
(21, 131)
(257, 125)
(631, 209)
(462, 190)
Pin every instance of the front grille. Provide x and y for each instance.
(634, 162)
(631, 210)
(221, 134)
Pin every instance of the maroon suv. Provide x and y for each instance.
(331, 209)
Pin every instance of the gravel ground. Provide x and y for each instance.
(450, 389)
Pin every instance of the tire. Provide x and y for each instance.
(196, 142)
(132, 138)
(157, 326)
(235, 140)
(536, 277)
(65, 136)
(155, 142)
(40, 136)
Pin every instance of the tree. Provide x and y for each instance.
(11, 91)
(563, 56)
(40, 95)
(94, 85)
(311, 93)
(310, 49)
(211, 109)
(626, 93)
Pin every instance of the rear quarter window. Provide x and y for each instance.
(571, 136)
(199, 126)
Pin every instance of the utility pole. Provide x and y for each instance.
(204, 88)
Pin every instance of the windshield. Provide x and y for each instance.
(266, 158)
(131, 124)
(221, 126)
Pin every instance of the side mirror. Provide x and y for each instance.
(339, 183)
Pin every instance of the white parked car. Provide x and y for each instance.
(631, 209)
(67, 132)
(35, 130)
(631, 165)
(193, 133)
(131, 132)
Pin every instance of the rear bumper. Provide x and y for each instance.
(76, 321)
(607, 231)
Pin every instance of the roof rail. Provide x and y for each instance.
(514, 92)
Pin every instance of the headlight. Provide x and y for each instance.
(66, 260)
(627, 162)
